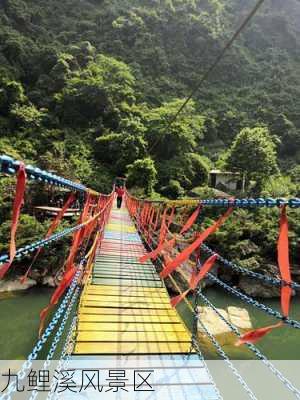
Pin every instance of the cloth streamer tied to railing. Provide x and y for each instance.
(92, 218)
(165, 245)
(17, 206)
(90, 222)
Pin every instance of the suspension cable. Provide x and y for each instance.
(253, 348)
(249, 300)
(212, 67)
(255, 275)
(10, 166)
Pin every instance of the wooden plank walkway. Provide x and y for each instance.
(125, 321)
(126, 308)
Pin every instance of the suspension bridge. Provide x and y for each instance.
(112, 300)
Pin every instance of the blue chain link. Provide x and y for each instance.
(64, 361)
(58, 336)
(253, 348)
(249, 300)
(255, 275)
(10, 166)
(268, 202)
(39, 345)
(252, 203)
(24, 251)
(222, 353)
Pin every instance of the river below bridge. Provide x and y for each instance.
(19, 320)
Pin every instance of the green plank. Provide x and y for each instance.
(126, 282)
(120, 259)
(125, 273)
(119, 267)
(125, 276)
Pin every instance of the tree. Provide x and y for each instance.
(181, 137)
(142, 173)
(119, 150)
(11, 93)
(253, 153)
(173, 190)
(97, 94)
(188, 170)
(27, 115)
(279, 186)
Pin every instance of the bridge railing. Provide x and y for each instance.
(89, 226)
(187, 255)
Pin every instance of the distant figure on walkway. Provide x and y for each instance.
(120, 194)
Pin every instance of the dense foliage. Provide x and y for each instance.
(87, 89)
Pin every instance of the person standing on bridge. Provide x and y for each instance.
(120, 193)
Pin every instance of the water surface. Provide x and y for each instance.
(19, 321)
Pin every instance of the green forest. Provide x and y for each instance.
(87, 89)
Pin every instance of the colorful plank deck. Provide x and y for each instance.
(126, 308)
(125, 314)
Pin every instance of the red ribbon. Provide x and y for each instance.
(150, 225)
(156, 220)
(191, 220)
(186, 253)
(170, 217)
(52, 228)
(170, 244)
(177, 299)
(78, 235)
(59, 291)
(255, 335)
(18, 203)
(284, 262)
(196, 278)
(206, 267)
(162, 235)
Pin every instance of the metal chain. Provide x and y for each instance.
(65, 358)
(255, 275)
(39, 345)
(10, 166)
(57, 337)
(196, 347)
(24, 251)
(249, 300)
(194, 338)
(252, 203)
(253, 348)
(221, 352)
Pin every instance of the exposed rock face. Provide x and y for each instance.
(49, 281)
(239, 317)
(10, 286)
(212, 322)
(38, 275)
(258, 289)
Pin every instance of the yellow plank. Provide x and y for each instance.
(118, 224)
(114, 228)
(130, 327)
(128, 311)
(125, 304)
(123, 299)
(87, 336)
(136, 296)
(131, 348)
(134, 319)
(124, 289)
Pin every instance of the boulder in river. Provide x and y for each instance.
(239, 317)
(49, 281)
(257, 289)
(14, 285)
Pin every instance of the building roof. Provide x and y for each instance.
(219, 172)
